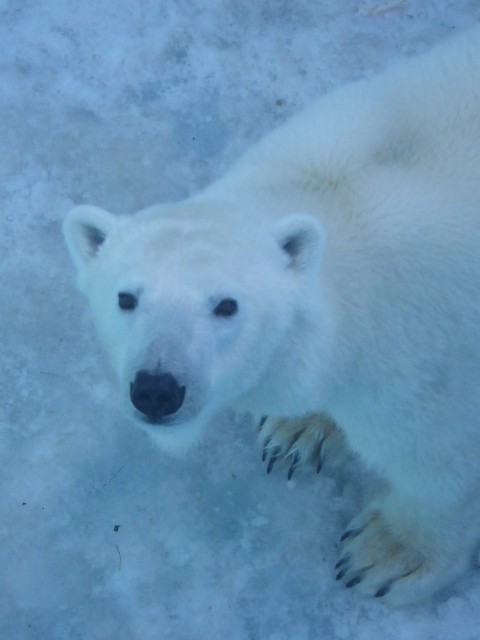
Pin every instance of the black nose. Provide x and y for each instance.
(156, 395)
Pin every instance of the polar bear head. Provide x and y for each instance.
(193, 302)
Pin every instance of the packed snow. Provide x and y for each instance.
(103, 537)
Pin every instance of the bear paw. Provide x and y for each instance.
(377, 563)
(300, 441)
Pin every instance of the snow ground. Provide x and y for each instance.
(102, 537)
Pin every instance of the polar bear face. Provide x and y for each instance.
(191, 305)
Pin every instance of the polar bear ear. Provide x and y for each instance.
(85, 229)
(302, 238)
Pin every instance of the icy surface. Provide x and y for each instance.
(123, 104)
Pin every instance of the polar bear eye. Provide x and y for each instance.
(127, 301)
(226, 308)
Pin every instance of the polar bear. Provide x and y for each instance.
(330, 278)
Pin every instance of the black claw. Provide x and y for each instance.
(351, 533)
(275, 453)
(341, 573)
(354, 581)
(318, 454)
(293, 466)
(345, 558)
(383, 591)
(265, 448)
(263, 419)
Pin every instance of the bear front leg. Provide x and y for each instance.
(300, 441)
(403, 552)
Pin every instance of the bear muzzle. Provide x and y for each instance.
(156, 396)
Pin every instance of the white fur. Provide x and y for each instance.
(350, 238)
